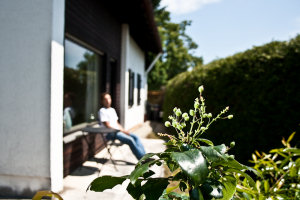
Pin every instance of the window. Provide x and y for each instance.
(139, 85)
(131, 88)
(81, 85)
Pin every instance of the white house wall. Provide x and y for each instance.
(135, 61)
(26, 39)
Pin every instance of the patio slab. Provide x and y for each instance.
(75, 184)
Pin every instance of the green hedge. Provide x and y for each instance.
(262, 88)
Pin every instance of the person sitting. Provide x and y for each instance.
(109, 118)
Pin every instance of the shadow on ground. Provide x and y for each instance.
(157, 127)
(84, 171)
(117, 162)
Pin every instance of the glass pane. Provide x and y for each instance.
(81, 84)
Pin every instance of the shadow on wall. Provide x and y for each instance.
(7, 192)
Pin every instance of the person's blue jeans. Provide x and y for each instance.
(132, 140)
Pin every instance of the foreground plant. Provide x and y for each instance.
(200, 169)
(280, 174)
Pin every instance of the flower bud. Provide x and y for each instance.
(184, 115)
(196, 104)
(201, 89)
(174, 110)
(183, 124)
(202, 109)
(202, 128)
(230, 116)
(167, 124)
(232, 144)
(174, 124)
(209, 115)
(205, 115)
(192, 113)
(178, 112)
(186, 118)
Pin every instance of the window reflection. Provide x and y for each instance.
(81, 84)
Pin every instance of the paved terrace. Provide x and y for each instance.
(75, 184)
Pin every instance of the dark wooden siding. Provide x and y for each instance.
(78, 151)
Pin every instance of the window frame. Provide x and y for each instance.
(139, 87)
(130, 88)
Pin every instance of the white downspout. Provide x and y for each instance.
(146, 76)
(153, 63)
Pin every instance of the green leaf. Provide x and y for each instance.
(151, 190)
(179, 176)
(140, 170)
(145, 157)
(296, 151)
(193, 164)
(232, 163)
(229, 183)
(105, 182)
(250, 180)
(297, 162)
(293, 170)
(291, 137)
(212, 153)
(206, 141)
(279, 151)
(172, 165)
(154, 188)
(196, 194)
(148, 174)
(284, 162)
(135, 190)
(266, 186)
(221, 148)
(166, 156)
(173, 196)
(276, 150)
(212, 189)
(245, 190)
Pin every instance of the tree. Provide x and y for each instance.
(177, 49)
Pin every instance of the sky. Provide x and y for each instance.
(222, 28)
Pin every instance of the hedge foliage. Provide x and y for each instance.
(262, 88)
